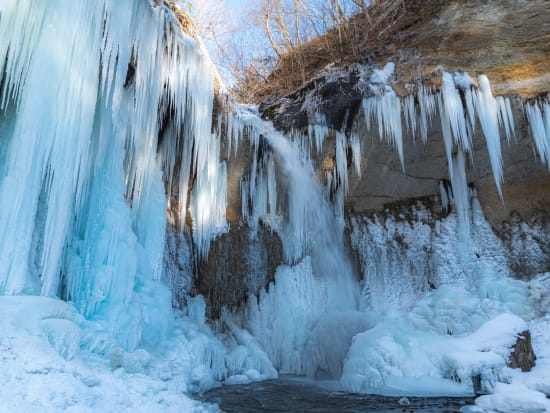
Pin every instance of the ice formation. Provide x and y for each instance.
(102, 105)
(538, 114)
(489, 113)
(459, 103)
(387, 109)
(106, 123)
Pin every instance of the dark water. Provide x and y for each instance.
(293, 395)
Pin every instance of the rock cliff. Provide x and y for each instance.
(506, 40)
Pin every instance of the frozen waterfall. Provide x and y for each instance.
(87, 90)
(114, 180)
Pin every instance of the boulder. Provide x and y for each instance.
(523, 356)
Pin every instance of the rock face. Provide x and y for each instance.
(526, 188)
(509, 40)
(506, 40)
(239, 263)
(523, 357)
(528, 243)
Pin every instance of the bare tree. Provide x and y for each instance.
(247, 48)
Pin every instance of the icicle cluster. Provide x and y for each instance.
(538, 114)
(459, 105)
(102, 103)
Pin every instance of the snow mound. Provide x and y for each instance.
(394, 358)
(43, 367)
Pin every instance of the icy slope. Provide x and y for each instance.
(43, 369)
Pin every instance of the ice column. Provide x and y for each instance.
(488, 113)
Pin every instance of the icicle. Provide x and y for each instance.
(427, 104)
(341, 161)
(461, 194)
(82, 185)
(387, 108)
(487, 110)
(444, 196)
(355, 144)
(209, 200)
(466, 83)
(330, 182)
(410, 114)
(506, 117)
(447, 135)
(272, 190)
(538, 116)
(47, 149)
(318, 131)
(454, 112)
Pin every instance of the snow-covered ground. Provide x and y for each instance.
(525, 392)
(53, 360)
(44, 369)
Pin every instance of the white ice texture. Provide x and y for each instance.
(538, 114)
(87, 88)
(83, 201)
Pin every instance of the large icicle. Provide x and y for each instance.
(506, 117)
(488, 113)
(461, 195)
(48, 146)
(209, 199)
(341, 161)
(427, 104)
(387, 109)
(453, 111)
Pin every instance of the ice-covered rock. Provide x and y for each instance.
(393, 358)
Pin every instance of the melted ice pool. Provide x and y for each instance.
(298, 395)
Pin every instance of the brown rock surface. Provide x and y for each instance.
(523, 357)
(509, 40)
(239, 263)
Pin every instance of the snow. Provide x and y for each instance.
(42, 367)
(383, 75)
(514, 399)
(425, 340)
(395, 359)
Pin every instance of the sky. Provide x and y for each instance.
(236, 5)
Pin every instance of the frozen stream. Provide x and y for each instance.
(290, 394)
